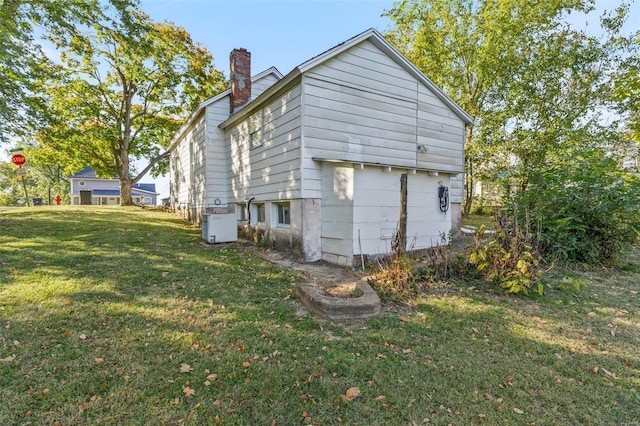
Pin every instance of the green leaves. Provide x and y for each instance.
(586, 207)
(536, 86)
(128, 84)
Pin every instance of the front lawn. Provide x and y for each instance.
(117, 316)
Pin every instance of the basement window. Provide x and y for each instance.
(241, 210)
(255, 130)
(260, 213)
(283, 211)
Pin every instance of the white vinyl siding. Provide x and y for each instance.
(187, 164)
(217, 181)
(270, 171)
(362, 106)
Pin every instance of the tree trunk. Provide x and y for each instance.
(469, 180)
(126, 198)
(402, 226)
(468, 189)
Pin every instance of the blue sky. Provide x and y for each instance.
(277, 33)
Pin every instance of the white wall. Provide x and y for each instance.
(377, 209)
(90, 184)
(271, 171)
(361, 211)
(187, 167)
(361, 106)
(337, 213)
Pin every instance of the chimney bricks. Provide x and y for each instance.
(240, 76)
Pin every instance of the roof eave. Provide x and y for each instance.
(253, 104)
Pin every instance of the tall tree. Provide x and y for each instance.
(128, 84)
(533, 83)
(23, 63)
(626, 87)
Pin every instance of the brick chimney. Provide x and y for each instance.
(240, 76)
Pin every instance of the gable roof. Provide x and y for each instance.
(206, 103)
(380, 42)
(86, 173)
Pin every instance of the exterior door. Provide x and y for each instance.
(85, 197)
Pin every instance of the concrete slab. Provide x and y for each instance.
(335, 308)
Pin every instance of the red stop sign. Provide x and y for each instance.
(18, 159)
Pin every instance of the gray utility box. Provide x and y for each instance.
(219, 228)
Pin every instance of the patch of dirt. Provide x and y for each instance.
(344, 291)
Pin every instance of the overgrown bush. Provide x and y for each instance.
(587, 208)
(510, 258)
(394, 277)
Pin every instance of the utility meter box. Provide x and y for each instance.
(219, 228)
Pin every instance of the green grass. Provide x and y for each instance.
(488, 220)
(120, 316)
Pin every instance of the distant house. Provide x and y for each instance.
(86, 188)
(326, 160)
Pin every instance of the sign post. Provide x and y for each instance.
(19, 160)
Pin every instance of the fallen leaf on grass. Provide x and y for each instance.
(188, 392)
(164, 274)
(99, 360)
(352, 393)
(185, 368)
(83, 336)
(10, 358)
(380, 397)
(517, 410)
(609, 373)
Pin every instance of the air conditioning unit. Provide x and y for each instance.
(219, 228)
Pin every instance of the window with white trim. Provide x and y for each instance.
(241, 210)
(255, 130)
(283, 214)
(260, 213)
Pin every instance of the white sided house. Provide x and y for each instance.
(88, 189)
(329, 160)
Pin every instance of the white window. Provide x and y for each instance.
(260, 213)
(255, 130)
(147, 200)
(283, 213)
(241, 210)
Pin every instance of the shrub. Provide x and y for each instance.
(588, 209)
(510, 259)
